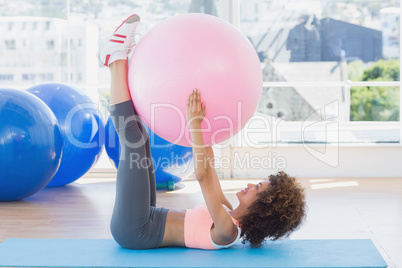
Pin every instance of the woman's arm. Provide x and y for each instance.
(224, 230)
(195, 114)
(215, 178)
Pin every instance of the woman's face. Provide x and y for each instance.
(249, 194)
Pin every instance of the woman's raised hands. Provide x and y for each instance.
(195, 109)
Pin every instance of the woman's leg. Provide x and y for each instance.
(119, 92)
(151, 173)
(135, 223)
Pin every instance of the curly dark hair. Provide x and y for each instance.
(278, 211)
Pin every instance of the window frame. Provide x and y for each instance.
(375, 158)
(232, 15)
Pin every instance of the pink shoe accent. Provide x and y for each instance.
(107, 60)
(119, 35)
(117, 41)
(125, 21)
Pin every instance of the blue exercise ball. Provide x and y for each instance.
(30, 144)
(81, 126)
(172, 162)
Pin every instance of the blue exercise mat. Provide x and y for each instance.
(106, 253)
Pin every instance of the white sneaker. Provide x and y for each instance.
(120, 44)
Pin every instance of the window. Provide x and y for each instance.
(316, 53)
(6, 77)
(327, 42)
(10, 44)
(28, 77)
(312, 53)
(50, 44)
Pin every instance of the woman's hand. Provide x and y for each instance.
(195, 110)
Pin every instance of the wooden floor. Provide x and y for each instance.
(338, 209)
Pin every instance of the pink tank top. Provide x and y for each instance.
(197, 228)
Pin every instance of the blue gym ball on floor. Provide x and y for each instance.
(172, 162)
(30, 144)
(81, 126)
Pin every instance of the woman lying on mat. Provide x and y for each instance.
(270, 209)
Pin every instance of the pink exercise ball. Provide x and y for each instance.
(195, 51)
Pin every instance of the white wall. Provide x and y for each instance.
(372, 160)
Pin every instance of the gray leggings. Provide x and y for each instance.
(136, 222)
